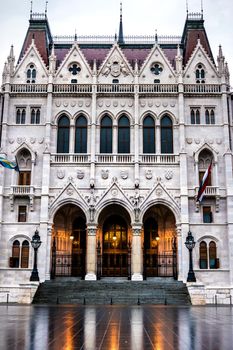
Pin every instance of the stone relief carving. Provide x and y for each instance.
(115, 67)
(11, 141)
(32, 140)
(169, 174)
(148, 174)
(60, 174)
(58, 103)
(65, 104)
(70, 191)
(70, 179)
(189, 141)
(114, 192)
(197, 141)
(91, 200)
(104, 174)
(124, 174)
(73, 103)
(80, 103)
(159, 192)
(41, 140)
(80, 174)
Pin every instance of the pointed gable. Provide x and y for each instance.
(74, 66)
(157, 67)
(115, 66)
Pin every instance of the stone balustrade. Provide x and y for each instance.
(22, 190)
(70, 158)
(159, 158)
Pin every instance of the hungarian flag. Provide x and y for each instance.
(8, 164)
(204, 183)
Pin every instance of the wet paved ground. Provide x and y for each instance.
(116, 327)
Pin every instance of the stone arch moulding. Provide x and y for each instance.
(127, 114)
(169, 204)
(82, 113)
(19, 237)
(116, 201)
(59, 114)
(59, 204)
(102, 114)
(207, 147)
(145, 114)
(24, 145)
(169, 114)
(216, 240)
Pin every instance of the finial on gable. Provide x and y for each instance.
(187, 7)
(202, 8)
(31, 9)
(156, 36)
(75, 35)
(46, 8)
(121, 35)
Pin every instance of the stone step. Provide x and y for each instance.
(159, 291)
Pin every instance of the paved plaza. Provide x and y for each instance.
(115, 327)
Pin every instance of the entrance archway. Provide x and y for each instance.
(159, 248)
(116, 242)
(69, 242)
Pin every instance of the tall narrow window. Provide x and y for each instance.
(203, 255)
(166, 135)
(81, 135)
(207, 215)
(22, 213)
(195, 116)
(123, 135)
(14, 260)
(35, 115)
(212, 117)
(148, 135)
(106, 135)
(204, 160)
(63, 137)
(31, 74)
(25, 254)
(207, 117)
(25, 165)
(200, 74)
(20, 115)
(213, 255)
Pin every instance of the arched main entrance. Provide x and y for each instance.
(159, 248)
(69, 242)
(116, 249)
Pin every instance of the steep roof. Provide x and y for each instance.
(193, 30)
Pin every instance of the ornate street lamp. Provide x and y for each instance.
(35, 242)
(190, 244)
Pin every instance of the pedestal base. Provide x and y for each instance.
(90, 277)
(137, 277)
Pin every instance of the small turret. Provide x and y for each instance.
(221, 61)
(52, 61)
(179, 60)
(11, 61)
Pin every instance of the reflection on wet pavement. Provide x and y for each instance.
(115, 328)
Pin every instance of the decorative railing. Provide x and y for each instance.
(110, 39)
(22, 190)
(70, 158)
(29, 88)
(158, 88)
(72, 88)
(159, 158)
(115, 88)
(202, 88)
(209, 191)
(114, 158)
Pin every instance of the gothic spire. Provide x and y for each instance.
(121, 35)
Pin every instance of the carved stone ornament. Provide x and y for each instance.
(61, 174)
(159, 192)
(148, 174)
(169, 174)
(11, 141)
(137, 231)
(80, 174)
(65, 104)
(130, 104)
(104, 174)
(219, 141)
(189, 141)
(80, 103)
(124, 174)
(107, 103)
(32, 140)
(91, 231)
(19, 140)
(114, 192)
(197, 141)
(115, 69)
(70, 191)
(58, 103)
(88, 103)
(115, 103)
(165, 104)
(73, 103)
(41, 140)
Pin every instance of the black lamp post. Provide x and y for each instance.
(35, 242)
(190, 244)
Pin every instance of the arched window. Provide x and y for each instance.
(63, 136)
(148, 135)
(14, 260)
(166, 135)
(200, 74)
(106, 135)
(204, 161)
(35, 115)
(31, 74)
(195, 116)
(151, 237)
(203, 255)
(81, 135)
(25, 254)
(25, 165)
(123, 135)
(212, 255)
(207, 117)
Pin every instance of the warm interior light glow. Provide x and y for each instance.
(114, 237)
(71, 238)
(157, 238)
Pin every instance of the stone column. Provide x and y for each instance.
(48, 252)
(91, 254)
(114, 138)
(179, 253)
(157, 139)
(93, 130)
(136, 259)
(72, 137)
(136, 132)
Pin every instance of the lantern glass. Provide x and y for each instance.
(36, 242)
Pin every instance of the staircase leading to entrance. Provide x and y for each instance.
(156, 291)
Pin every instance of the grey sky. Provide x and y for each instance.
(102, 17)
